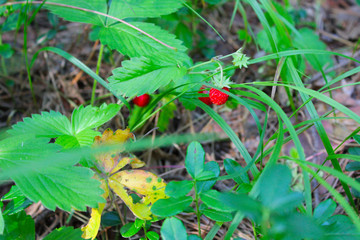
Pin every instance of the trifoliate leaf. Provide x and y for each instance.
(145, 75)
(131, 42)
(55, 125)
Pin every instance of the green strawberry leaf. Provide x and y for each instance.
(75, 15)
(19, 226)
(118, 9)
(129, 41)
(78, 132)
(44, 174)
(68, 233)
(145, 75)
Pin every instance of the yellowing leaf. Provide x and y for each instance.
(140, 210)
(111, 159)
(142, 182)
(134, 162)
(92, 228)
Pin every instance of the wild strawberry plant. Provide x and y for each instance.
(41, 150)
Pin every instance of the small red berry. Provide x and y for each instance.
(217, 97)
(142, 101)
(205, 100)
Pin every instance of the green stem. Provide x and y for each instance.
(210, 61)
(3, 65)
(26, 54)
(97, 73)
(198, 215)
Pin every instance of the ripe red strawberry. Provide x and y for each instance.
(142, 101)
(217, 97)
(205, 100)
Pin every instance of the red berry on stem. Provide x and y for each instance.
(205, 100)
(142, 101)
(217, 97)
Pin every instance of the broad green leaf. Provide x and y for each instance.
(173, 229)
(110, 219)
(132, 43)
(324, 210)
(143, 8)
(18, 226)
(53, 184)
(231, 167)
(151, 235)
(340, 227)
(145, 75)
(54, 124)
(194, 237)
(76, 15)
(308, 39)
(295, 226)
(48, 124)
(178, 189)
(195, 159)
(129, 230)
(212, 167)
(274, 192)
(91, 117)
(68, 233)
(352, 166)
(171, 206)
(63, 187)
(219, 216)
(18, 201)
(229, 202)
(354, 151)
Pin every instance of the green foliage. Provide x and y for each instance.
(145, 74)
(78, 132)
(129, 229)
(18, 226)
(68, 233)
(173, 229)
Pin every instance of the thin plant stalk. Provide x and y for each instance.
(26, 54)
(97, 73)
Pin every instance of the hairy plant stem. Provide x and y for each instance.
(210, 61)
(97, 73)
(198, 215)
